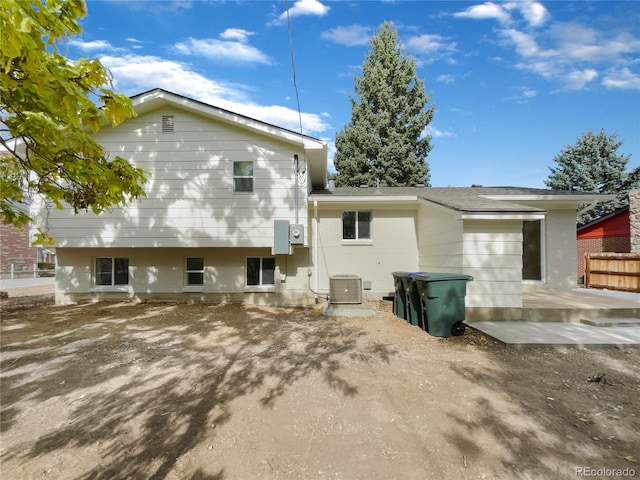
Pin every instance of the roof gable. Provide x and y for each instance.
(315, 150)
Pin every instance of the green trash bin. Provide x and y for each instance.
(413, 304)
(442, 296)
(399, 299)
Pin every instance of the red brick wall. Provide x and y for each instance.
(599, 245)
(14, 248)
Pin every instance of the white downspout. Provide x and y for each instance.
(315, 244)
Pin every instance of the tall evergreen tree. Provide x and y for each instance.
(593, 165)
(385, 139)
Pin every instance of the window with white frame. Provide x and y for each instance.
(194, 271)
(112, 271)
(261, 271)
(356, 225)
(243, 177)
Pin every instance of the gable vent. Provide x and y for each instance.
(167, 124)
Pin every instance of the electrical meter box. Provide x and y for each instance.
(281, 237)
(296, 234)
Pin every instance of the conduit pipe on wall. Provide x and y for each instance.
(315, 244)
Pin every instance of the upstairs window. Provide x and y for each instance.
(243, 177)
(356, 225)
(195, 271)
(112, 271)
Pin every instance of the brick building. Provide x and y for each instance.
(610, 233)
(16, 249)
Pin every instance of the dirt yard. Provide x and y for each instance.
(165, 391)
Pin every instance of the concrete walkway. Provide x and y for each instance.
(560, 334)
(9, 284)
(602, 320)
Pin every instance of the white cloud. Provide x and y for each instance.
(446, 78)
(522, 95)
(434, 132)
(303, 7)
(525, 43)
(459, 111)
(623, 78)
(351, 35)
(135, 43)
(222, 51)
(534, 12)
(588, 44)
(430, 44)
(96, 45)
(568, 52)
(134, 74)
(578, 79)
(236, 34)
(487, 10)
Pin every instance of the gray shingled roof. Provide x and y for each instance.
(465, 199)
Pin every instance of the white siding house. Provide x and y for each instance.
(224, 189)
(217, 182)
(508, 239)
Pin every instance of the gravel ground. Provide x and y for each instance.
(121, 391)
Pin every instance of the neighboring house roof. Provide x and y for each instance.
(315, 150)
(18, 206)
(467, 199)
(614, 224)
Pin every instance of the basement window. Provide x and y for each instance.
(195, 271)
(167, 124)
(260, 271)
(112, 271)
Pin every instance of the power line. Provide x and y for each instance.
(293, 66)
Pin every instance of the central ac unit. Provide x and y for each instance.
(345, 289)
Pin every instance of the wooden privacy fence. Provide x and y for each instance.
(614, 271)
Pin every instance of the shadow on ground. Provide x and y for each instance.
(557, 411)
(149, 382)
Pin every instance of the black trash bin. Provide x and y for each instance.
(413, 305)
(442, 297)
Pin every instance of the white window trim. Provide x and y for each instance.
(259, 288)
(193, 288)
(112, 287)
(363, 242)
(357, 241)
(252, 177)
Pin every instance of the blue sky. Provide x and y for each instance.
(513, 83)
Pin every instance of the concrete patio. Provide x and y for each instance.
(575, 318)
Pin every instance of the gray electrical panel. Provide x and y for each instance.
(296, 234)
(281, 237)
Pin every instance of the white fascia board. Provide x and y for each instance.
(161, 96)
(503, 216)
(578, 198)
(362, 199)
